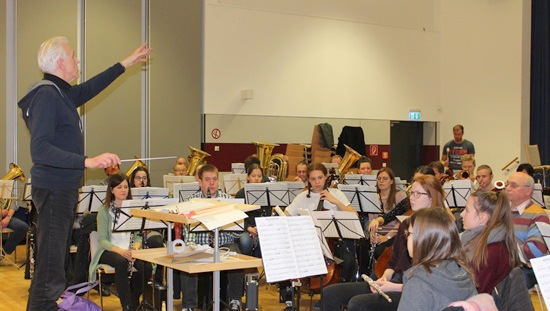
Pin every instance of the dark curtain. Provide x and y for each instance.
(540, 78)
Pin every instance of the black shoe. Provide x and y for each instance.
(188, 309)
(105, 292)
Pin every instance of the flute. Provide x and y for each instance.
(376, 287)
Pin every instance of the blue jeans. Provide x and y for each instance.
(56, 210)
(19, 228)
(246, 245)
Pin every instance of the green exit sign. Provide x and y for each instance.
(414, 115)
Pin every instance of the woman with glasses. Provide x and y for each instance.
(426, 191)
(439, 274)
(115, 248)
(140, 178)
(489, 238)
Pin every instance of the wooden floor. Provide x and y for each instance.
(14, 292)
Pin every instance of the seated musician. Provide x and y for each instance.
(484, 178)
(182, 160)
(248, 242)
(336, 159)
(209, 184)
(301, 172)
(18, 226)
(364, 165)
(140, 178)
(439, 170)
(115, 248)
(180, 170)
(253, 159)
(527, 168)
(468, 166)
(426, 191)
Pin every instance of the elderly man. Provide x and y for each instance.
(484, 177)
(57, 151)
(526, 213)
(454, 149)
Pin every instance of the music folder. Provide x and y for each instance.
(362, 197)
(457, 192)
(123, 220)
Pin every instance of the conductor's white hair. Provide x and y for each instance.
(50, 52)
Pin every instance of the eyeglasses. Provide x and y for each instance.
(417, 194)
(513, 185)
(141, 178)
(407, 233)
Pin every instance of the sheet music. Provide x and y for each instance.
(541, 267)
(237, 226)
(91, 198)
(6, 189)
(234, 182)
(27, 193)
(185, 190)
(362, 197)
(216, 220)
(126, 222)
(348, 222)
(544, 229)
(401, 218)
(462, 190)
(294, 189)
(149, 192)
(168, 181)
(281, 238)
(238, 168)
(537, 195)
(267, 194)
(400, 184)
(369, 180)
(324, 245)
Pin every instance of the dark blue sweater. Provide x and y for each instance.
(57, 145)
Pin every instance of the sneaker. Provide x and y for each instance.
(235, 305)
(188, 309)
(289, 306)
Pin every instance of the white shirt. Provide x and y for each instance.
(521, 208)
(303, 202)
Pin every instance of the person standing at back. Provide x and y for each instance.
(454, 149)
(57, 151)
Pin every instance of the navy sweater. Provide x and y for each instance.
(57, 145)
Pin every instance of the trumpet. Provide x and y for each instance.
(376, 287)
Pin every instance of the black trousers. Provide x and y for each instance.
(55, 210)
(128, 290)
(357, 297)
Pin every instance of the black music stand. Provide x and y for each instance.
(354, 179)
(90, 199)
(267, 194)
(149, 193)
(538, 195)
(184, 190)
(458, 192)
(294, 189)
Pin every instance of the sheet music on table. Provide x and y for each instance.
(541, 268)
(149, 192)
(168, 181)
(6, 189)
(368, 180)
(183, 191)
(461, 188)
(362, 197)
(267, 194)
(234, 182)
(91, 198)
(290, 248)
(238, 168)
(294, 189)
(348, 222)
(538, 196)
(126, 222)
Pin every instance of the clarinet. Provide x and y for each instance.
(371, 252)
(131, 262)
(376, 287)
(208, 194)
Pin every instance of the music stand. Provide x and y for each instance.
(457, 192)
(368, 180)
(267, 194)
(124, 222)
(27, 193)
(538, 196)
(400, 184)
(331, 166)
(234, 182)
(363, 198)
(149, 192)
(168, 181)
(338, 224)
(185, 190)
(294, 189)
(238, 168)
(90, 198)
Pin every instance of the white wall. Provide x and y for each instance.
(484, 76)
(324, 59)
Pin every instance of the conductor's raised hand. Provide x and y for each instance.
(138, 56)
(102, 161)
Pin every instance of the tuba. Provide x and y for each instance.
(134, 166)
(348, 160)
(15, 172)
(274, 166)
(196, 158)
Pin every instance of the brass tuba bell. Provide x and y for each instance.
(274, 166)
(196, 158)
(348, 160)
(15, 172)
(134, 166)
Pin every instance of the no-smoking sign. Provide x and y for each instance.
(216, 133)
(373, 150)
